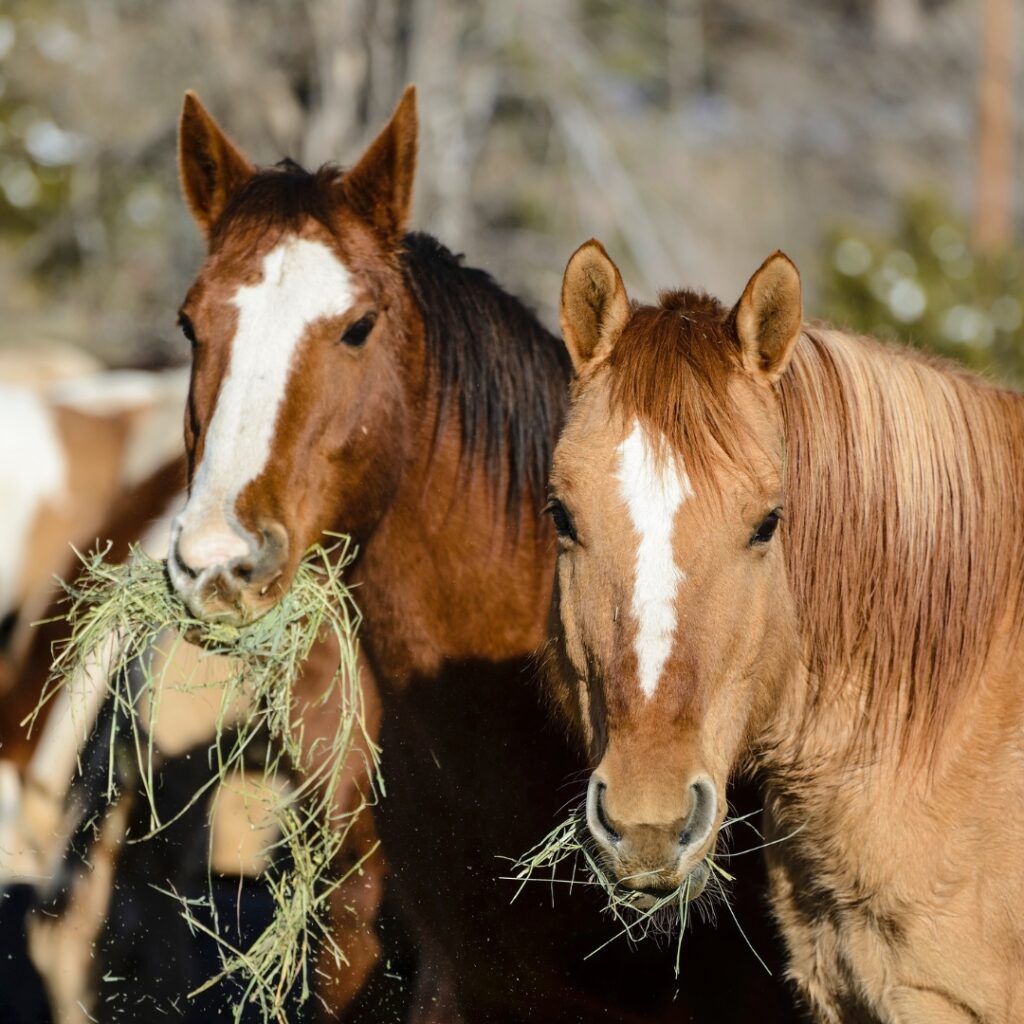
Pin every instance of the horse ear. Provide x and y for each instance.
(594, 307)
(769, 317)
(212, 168)
(379, 187)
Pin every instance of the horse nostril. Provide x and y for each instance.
(602, 815)
(242, 571)
(702, 813)
(182, 564)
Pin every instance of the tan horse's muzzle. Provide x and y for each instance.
(226, 575)
(653, 851)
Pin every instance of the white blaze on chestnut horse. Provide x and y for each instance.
(787, 548)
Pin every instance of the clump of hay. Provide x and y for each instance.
(570, 842)
(126, 621)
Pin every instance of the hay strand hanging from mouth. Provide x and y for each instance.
(126, 621)
(637, 915)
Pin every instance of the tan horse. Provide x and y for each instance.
(788, 548)
(73, 447)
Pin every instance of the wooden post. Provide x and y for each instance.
(991, 230)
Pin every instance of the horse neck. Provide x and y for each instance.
(905, 552)
(454, 572)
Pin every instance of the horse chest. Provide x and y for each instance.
(858, 959)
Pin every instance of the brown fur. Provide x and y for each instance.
(865, 660)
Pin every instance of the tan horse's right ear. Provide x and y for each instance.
(212, 168)
(769, 317)
(594, 307)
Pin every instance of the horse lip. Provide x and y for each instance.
(645, 898)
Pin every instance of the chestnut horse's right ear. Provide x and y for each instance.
(379, 187)
(594, 307)
(212, 168)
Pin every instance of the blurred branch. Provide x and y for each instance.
(991, 229)
(572, 71)
(458, 90)
(341, 61)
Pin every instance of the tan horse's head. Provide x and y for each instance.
(296, 419)
(677, 623)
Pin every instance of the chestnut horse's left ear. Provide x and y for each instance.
(379, 187)
(212, 168)
(769, 317)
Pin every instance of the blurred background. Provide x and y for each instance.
(874, 140)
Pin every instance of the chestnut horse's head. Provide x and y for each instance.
(297, 415)
(676, 618)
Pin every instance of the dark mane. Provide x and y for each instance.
(497, 366)
(282, 196)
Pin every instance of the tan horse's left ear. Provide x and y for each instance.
(379, 187)
(594, 307)
(212, 168)
(769, 317)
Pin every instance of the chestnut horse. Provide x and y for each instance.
(785, 547)
(349, 376)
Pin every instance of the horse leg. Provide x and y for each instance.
(61, 947)
(345, 964)
(354, 907)
(435, 1000)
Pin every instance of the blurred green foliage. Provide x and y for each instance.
(924, 285)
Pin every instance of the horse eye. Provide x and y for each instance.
(356, 335)
(187, 329)
(562, 520)
(767, 527)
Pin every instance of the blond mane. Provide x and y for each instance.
(905, 521)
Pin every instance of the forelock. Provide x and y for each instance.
(672, 369)
(284, 197)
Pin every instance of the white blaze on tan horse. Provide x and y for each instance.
(865, 660)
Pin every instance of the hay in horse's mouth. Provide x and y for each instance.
(134, 603)
(638, 914)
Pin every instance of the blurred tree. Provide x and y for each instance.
(924, 285)
(693, 137)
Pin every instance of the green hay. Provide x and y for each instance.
(570, 842)
(134, 604)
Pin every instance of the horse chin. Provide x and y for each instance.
(691, 887)
(240, 608)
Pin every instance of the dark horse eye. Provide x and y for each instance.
(356, 335)
(562, 520)
(766, 529)
(187, 329)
